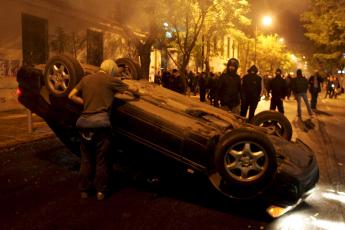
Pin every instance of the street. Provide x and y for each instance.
(38, 188)
(325, 208)
(175, 163)
(39, 192)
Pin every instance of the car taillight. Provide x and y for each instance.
(19, 91)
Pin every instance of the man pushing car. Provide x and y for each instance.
(95, 92)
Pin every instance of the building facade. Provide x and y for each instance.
(34, 30)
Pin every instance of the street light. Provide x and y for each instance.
(266, 21)
(293, 58)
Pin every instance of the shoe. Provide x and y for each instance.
(84, 195)
(153, 180)
(100, 196)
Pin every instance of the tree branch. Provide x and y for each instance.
(172, 58)
(179, 39)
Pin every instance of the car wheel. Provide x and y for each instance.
(61, 74)
(245, 164)
(132, 69)
(276, 121)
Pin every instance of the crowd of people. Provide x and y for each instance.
(240, 94)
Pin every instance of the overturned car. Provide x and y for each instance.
(242, 160)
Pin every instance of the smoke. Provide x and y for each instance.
(130, 12)
(295, 7)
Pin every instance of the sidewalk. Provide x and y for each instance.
(14, 129)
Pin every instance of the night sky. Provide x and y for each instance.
(286, 14)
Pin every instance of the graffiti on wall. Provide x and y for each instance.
(9, 67)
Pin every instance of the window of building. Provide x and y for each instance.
(34, 39)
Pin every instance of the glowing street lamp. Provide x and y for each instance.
(267, 20)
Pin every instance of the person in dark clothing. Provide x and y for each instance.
(314, 88)
(288, 82)
(251, 90)
(194, 83)
(212, 85)
(166, 78)
(158, 78)
(266, 81)
(337, 87)
(191, 81)
(333, 87)
(96, 92)
(299, 88)
(177, 82)
(202, 86)
(229, 87)
(278, 89)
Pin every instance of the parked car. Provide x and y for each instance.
(242, 160)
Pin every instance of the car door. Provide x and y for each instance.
(144, 122)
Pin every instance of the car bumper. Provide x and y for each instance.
(294, 182)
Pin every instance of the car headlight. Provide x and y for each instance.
(277, 211)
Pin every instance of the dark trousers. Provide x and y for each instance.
(289, 93)
(277, 102)
(252, 104)
(94, 162)
(202, 94)
(314, 94)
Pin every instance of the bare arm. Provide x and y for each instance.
(76, 99)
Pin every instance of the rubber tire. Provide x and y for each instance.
(133, 67)
(270, 115)
(74, 68)
(250, 189)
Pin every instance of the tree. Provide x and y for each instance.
(198, 24)
(76, 43)
(60, 40)
(245, 48)
(271, 53)
(142, 24)
(186, 18)
(116, 46)
(63, 42)
(325, 25)
(224, 17)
